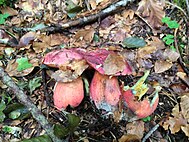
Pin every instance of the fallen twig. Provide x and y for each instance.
(24, 99)
(177, 49)
(84, 20)
(150, 132)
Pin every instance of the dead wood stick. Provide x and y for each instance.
(24, 99)
(84, 20)
(103, 13)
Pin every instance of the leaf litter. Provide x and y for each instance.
(81, 50)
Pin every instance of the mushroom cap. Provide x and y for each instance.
(141, 108)
(58, 58)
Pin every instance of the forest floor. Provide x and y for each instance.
(158, 33)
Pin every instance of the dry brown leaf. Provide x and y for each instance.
(171, 55)
(183, 77)
(129, 138)
(113, 64)
(153, 10)
(155, 41)
(176, 122)
(26, 39)
(136, 128)
(70, 71)
(161, 66)
(128, 13)
(145, 51)
(31, 6)
(85, 34)
(180, 117)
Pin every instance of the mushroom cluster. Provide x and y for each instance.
(105, 90)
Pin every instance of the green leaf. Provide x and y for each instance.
(12, 130)
(173, 24)
(34, 83)
(2, 116)
(165, 19)
(42, 138)
(60, 131)
(23, 64)
(133, 42)
(72, 9)
(168, 39)
(17, 111)
(3, 17)
(2, 105)
(146, 119)
(73, 122)
(173, 48)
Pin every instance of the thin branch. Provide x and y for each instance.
(177, 49)
(84, 20)
(24, 99)
(150, 132)
(187, 5)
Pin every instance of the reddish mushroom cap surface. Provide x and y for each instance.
(70, 93)
(104, 91)
(60, 57)
(141, 108)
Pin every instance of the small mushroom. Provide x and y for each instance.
(132, 96)
(68, 93)
(105, 91)
(104, 88)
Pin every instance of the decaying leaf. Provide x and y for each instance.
(97, 59)
(85, 34)
(145, 51)
(171, 55)
(153, 10)
(26, 39)
(113, 64)
(129, 138)
(178, 121)
(136, 128)
(161, 66)
(70, 71)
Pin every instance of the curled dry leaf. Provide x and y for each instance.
(171, 55)
(85, 34)
(161, 66)
(26, 39)
(153, 10)
(71, 71)
(108, 62)
(136, 128)
(105, 91)
(178, 121)
(113, 64)
(129, 138)
(145, 51)
(70, 93)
